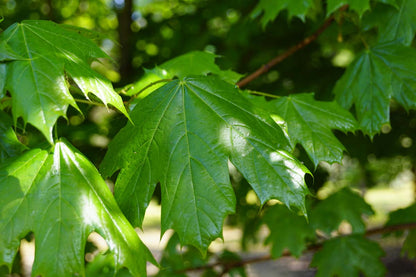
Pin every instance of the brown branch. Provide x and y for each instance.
(278, 59)
(311, 248)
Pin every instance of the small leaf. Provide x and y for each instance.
(345, 204)
(183, 135)
(360, 6)
(272, 8)
(287, 230)
(192, 63)
(62, 198)
(309, 122)
(37, 82)
(348, 257)
(10, 146)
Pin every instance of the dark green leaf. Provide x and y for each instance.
(2, 80)
(183, 135)
(360, 6)
(309, 122)
(345, 204)
(287, 230)
(386, 70)
(62, 198)
(10, 146)
(37, 83)
(348, 257)
(272, 8)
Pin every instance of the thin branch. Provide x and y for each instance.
(311, 248)
(263, 94)
(278, 59)
(89, 102)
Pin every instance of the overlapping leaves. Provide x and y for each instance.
(183, 135)
(378, 74)
(37, 81)
(309, 122)
(10, 146)
(61, 198)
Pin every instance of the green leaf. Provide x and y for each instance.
(62, 198)
(6, 52)
(2, 80)
(183, 135)
(10, 146)
(287, 230)
(405, 216)
(386, 70)
(192, 63)
(37, 82)
(345, 204)
(309, 122)
(272, 8)
(348, 257)
(395, 23)
(360, 6)
(367, 84)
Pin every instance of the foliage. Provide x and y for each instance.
(185, 124)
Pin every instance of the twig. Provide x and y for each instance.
(278, 59)
(311, 248)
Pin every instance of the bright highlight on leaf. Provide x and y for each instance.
(348, 257)
(183, 135)
(37, 81)
(310, 123)
(61, 198)
(346, 205)
(386, 70)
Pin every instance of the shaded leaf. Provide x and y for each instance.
(2, 80)
(348, 257)
(62, 198)
(10, 146)
(309, 122)
(405, 216)
(6, 52)
(345, 204)
(183, 135)
(386, 70)
(394, 22)
(270, 9)
(192, 63)
(360, 6)
(287, 230)
(37, 82)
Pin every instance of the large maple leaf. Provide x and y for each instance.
(61, 198)
(183, 135)
(37, 80)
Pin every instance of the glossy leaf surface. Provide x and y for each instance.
(345, 204)
(348, 257)
(183, 135)
(287, 231)
(310, 123)
(37, 82)
(61, 198)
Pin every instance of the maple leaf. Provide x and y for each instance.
(61, 198)
(384, 71)
(287, 230)
(183, 135)
(272, 8)
(348, 257)
(309, 122)
(10, 146)
(396, 21)
(345, 204)
(192, 63)
(360, 6)
(37, 81)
